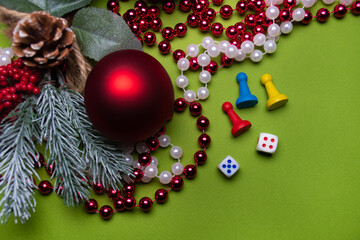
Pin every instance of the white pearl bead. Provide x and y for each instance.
(231, 51)
(9, 52)
(182, 81)
(190, 96)
(145, 179)
(345, 2)
(154, 161)
(247, 46)
(203, 60)
(203, 93)
(177, 168)
(136, 164)
(272, 12)
(205, 76)
(297, 2)
(151, 171)
(259, 39)
(129, 159)
(4, 60)
(206, 42)
(270, 46)
(165, 177)
(192, 50)
(298, 14)
(240, 56)
(164, 140)
(223, 45)
(183, 64)
(274, 30)
(329, 1)
(141, 147)
(176, 152)
(213, 50)
(256, 56)
(286, 27)
(127, 148)
(308, 3)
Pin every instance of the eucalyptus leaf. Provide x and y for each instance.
(54, 7)
(100, 32)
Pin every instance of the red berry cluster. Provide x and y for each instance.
(16, 81)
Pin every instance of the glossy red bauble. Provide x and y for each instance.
(340, 11)
(226, 11)
(106, 212)
(322, 15)
(91, 206)
(217, 29)
(200, 157)
(202, 123)
(176, 183)
(161, 195)
(129, 203)
(195, 108)
(45, 187)
(180, 105)
(119, 205)
(145, 204)
(164, 47)
(190, 171)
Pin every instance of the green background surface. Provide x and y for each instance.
(308, 190)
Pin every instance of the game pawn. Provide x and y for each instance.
(239, 126)
(276, 99)
(246, 99)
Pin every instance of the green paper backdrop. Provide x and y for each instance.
(308, 190)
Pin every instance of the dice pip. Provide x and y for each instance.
(228, 166)
(267, 143)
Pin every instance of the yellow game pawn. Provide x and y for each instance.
(276, 99)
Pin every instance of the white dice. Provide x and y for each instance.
(228, 166)
(267, 143)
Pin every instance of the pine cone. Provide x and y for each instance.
(42, 40)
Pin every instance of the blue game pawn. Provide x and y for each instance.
(246, 99)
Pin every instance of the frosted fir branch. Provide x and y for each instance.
(17, 158)
(106, 161)
(62, 144)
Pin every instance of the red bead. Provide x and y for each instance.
(259, 5)
(241, 7)
(226, 11)
(240, 27)
(176, 183)
(194, 65)
(180, 29)
(143, 24)
(139, 4)
(225, 61)
(49, 168)
(180, 105)
(209, 14)
(231, 32)
(152, 143)
(135, 28)
(138, 174)
(340, 11)
(193, 20)
(164, 47)
(161, 195)
(250, 20)
(236, 42)
(185, 5)
(161, 131)
(202, 123)
(217, 2)
(322, 15)
(200, 157)
(284, 15)
(355, 8)
(149, 38)
(144, 159)
(289, 4)
(258, 29)
(204, 25)
(205, 3)
(168, 33)
(266, 22)
(113, 5)
(145, 204)
(190, 171)
(129, 189)
(178, 54)
(168, 6)
(99, 188)
(195, 109)
(142, 11)
(246, 36)
(113, 194)
(119, 205)
(217, 29)
(129, 202)
(106, 212)
(307, 18)
(212, 67)
(45, 187)
(156, 24)
(91, 206)
(204, 140)
(154, 11)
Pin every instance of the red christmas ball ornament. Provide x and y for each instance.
(180, 105)
(340, 11)
(177, 183)
(91, 206)
(202, 123)
(217, 29)
(307, 18)
(119, 205)
(128, 96)
(106, 212)
(195, 109)
(129, 202)
(164, 47)
(161, 195)
(212, 67)
(355, 8)
(226, 11)
(129, 189)
(99, 188)
(241, 7)
(45, 187)
(190, 171)
(145, 204)
(200, 157)
(138, 175)
(204, 140)
(180, 29)
(178, 54)
(322, 15)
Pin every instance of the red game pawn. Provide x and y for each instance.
(239, 126)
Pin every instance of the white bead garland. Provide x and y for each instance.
(6, 55)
